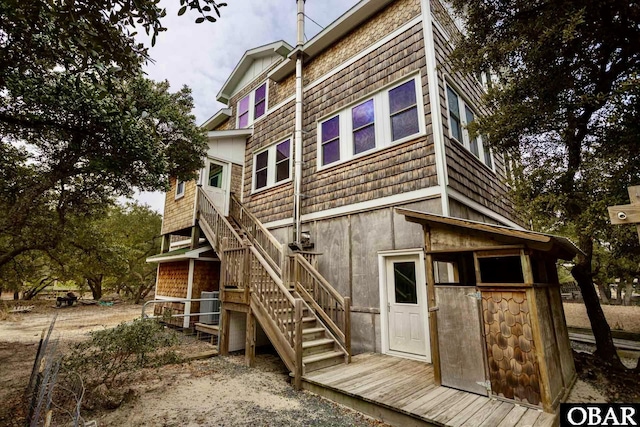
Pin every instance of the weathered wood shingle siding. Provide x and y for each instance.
(401, 168)
(178, 214)
(467, 175)
(397, 169)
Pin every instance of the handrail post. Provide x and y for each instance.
(246, 273)
(298, 344)
(347, 327)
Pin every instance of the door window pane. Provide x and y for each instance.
(215, 175)
(404, 276)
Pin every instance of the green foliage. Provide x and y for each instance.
(79, 123)
(112, 355)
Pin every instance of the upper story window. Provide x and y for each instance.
(389, 117)
(272, 165)
(252, 107)
(460, 116)
(180, 186)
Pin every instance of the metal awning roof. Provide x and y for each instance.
(560, 246)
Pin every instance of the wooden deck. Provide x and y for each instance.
(401, 392)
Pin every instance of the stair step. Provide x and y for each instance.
(317, 343)
(322, 356)
(309, 319)
(317, 346)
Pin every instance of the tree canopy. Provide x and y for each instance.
(80, 125)
(565, 101)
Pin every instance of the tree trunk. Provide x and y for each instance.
(95, 284)
(605, 350)
(628, 291)
(605, 293)
(16, 295)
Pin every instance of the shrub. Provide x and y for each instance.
(112, 355)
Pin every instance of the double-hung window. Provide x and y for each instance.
(460, 116)
(252, 107)
(272, 165)
(388, 117)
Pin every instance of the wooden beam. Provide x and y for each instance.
(225, 318)
(472, 249)
(250, 341)
(624, 214)
(432, 306)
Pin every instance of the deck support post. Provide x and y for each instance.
(347, 328)
(297, 336)
(225, 318)
(250, 342)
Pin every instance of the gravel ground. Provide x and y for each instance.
(223, 392)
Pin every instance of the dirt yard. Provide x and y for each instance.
(625, 318)
(216, 391)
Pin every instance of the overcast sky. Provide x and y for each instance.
(202, 56)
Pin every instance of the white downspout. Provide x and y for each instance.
(297, 183)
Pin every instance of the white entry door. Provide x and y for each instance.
(217, 184)
(407, 306)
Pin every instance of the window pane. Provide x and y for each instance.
(261, 160)
(331, 129)
(261, 178)
(260, 107)
(362, 114)
(404, 275)
(243, 121)
(215, 175)
(404, 124)
(282, 171)
(261, 93)
(243, 105)
(331, 152)
(473, 143)
(282, 151)
(469, 115)
(456, 128)
(364, 139)
(402, 96)
(454, 114)
(487, 158)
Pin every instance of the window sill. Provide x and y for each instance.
(271, 187)
(369, 152)
(179, 196)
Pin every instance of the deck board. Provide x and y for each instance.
(406, 387)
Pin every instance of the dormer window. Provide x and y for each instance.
(252, 107)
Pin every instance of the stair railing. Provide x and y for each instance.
(214, 224)
(332, 309)
(259, 236)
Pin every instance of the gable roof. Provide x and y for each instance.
(217, 119)
(281, 48)
(560, 246)
(331, 34)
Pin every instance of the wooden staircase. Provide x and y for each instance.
(304, 317)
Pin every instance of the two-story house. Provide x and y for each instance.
(345, 209)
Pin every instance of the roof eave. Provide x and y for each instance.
(218, 134)
(217, 119)
(281, 47)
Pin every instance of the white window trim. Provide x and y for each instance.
(382, 123)
(180, 195)
(466, 141)
(252, 106)
(271, 166)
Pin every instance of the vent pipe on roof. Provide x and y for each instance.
(297, 183)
